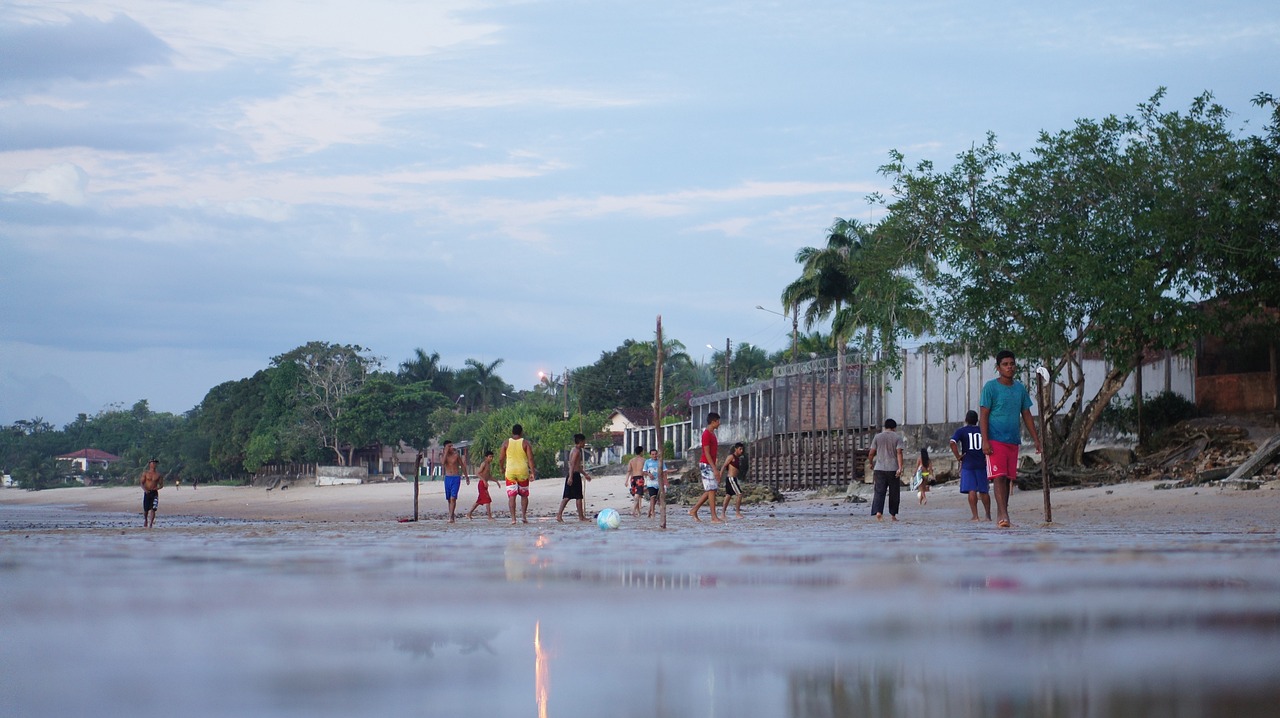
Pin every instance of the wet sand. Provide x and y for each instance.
(316, 601)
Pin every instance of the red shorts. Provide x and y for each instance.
(1003, 460)
(517, 488)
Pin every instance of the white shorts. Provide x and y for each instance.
(708, 477)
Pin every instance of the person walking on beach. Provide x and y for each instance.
(516, 460)
(966, 444)
(484, 475)
(575, 475)
(655, 474)
(732, 473)
(151, 483)
(1005, 404)
(455, 467)
(635, 480)
(709, 469)
(886, 452)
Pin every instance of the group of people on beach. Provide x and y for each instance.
(986, 446)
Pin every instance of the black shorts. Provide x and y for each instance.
(150, 501)
(651, 491)
(731, 487)
(573, 487)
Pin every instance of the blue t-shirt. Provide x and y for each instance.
(969, 440)
(652, 470)
(1006, 404)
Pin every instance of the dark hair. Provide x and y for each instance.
(488, 453)
(579, 438)
(447, 442)
(1005, 354)
(712, 417)
(971, 417)
(639, 448)
(890, 424)
(924, 456)
(517, 430)
(740, 445)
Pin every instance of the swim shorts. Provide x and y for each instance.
(731, 486)
(709, 482)
(637, 485)
(451, 486)
(573, 487)
(150, 501)
(1003, 460)
(651, 491)
(974, 480)
(517, 488)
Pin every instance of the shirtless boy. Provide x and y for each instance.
(731, 471)
(484, 475)
(151, 483)
(635, 480)
(575, 475)
(455, 467)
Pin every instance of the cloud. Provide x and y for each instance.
(82, 48)
(65, 183)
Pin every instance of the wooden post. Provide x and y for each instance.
(417, 473)
(1041, 375)
(657, 422)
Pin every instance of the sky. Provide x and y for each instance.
(190, 188)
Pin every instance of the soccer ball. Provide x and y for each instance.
(608, 519)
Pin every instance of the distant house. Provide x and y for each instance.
(623, 419)
(86, 461)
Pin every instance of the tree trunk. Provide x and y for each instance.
(1071, 451)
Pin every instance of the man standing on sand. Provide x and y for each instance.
(886, 452)
(151, 483)
(516, 459)
(575, 475)
(966, 444)
(1004, 405)
(709, 469)
(455, 467)
(635, 480)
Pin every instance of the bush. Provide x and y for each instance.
(1159, 411)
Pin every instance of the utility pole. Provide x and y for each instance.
(727, 350)
(795, 333)
(566, 393)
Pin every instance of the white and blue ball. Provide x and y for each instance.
(608, 519)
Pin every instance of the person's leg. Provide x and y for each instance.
(582, 509)
(511, 502)
(973, 504)
(1002, 500)
(712, 505)
(737, 504)
(698, 505)
(560, 514)
(524, 507)
(895, 496)
(881, 487)
(986, 503)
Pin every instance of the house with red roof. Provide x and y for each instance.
(85, 461)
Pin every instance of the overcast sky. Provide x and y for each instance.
(190, 188)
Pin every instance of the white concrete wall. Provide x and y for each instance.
(929, 392)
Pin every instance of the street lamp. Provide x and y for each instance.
(727, 352)
(795, 327)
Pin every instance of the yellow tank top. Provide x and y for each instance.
(517, 462)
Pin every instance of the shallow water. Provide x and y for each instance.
(788, 614)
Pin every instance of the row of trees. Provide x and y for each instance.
(322, 401)
(1117, 237)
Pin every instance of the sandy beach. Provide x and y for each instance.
(315, 601)
(1120, 503)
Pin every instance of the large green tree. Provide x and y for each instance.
(1116, 237)
(327, 375)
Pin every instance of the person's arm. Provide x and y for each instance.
(984, 425)
(899, 452)
(1031, 429)
(956, 451)
(528, 454)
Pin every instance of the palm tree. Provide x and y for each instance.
(828, 280)
(427, 367)
(481, 384)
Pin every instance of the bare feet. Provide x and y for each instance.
(975, 518)
(717, 521)
(879, 517)
(893, 518)
(694, 514)
(739, 515)
(559, 520)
